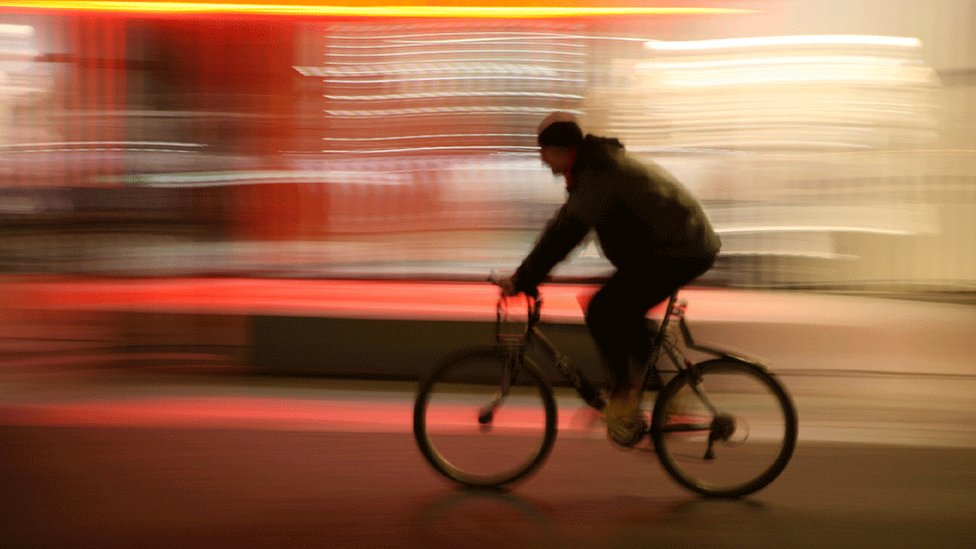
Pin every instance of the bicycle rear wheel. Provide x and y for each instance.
(724, 428)
(485, 417)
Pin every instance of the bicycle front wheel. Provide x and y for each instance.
(485, 417)
(724, 428)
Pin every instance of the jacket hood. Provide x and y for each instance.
(596, 152)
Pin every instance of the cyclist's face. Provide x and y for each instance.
(557, 158)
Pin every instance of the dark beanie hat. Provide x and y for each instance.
(561, 134)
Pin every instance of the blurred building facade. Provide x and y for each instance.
(833, 143)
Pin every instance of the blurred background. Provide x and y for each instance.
(832, 143)
(194, 195)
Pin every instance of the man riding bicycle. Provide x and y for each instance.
(650, 228)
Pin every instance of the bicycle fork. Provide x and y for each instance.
(512, 362)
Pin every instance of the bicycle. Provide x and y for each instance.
(486, 415)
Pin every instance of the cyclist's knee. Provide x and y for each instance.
(599, 315)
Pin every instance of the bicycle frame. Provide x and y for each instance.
(691, 421)
(675, 308)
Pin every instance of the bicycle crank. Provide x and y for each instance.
(721, 430)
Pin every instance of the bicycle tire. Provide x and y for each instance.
(449, 421)
(751, 440)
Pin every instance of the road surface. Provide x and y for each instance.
(171, 457)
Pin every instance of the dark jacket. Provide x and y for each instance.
(641, 213)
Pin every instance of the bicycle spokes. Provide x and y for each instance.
(727, 429)
(485, 419)
(508, 376)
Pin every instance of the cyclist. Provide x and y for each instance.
(650, 228)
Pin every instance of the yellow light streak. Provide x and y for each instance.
(507, 12)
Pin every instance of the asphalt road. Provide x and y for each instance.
(116, 458)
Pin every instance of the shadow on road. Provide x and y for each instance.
(498, 518)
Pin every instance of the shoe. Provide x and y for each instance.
(626, 433)
(625, 426)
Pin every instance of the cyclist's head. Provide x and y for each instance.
(559, 136)
(560, 129)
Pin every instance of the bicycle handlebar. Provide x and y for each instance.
(499, 281)
(533, 308)
(533, 311)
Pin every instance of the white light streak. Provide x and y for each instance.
(431, 136)
(453, 68)
(497, 58)
(426, 111)
(521, 53)
(103, 149)
(449, 79)
(852, 61)
(852, 75)
(454, 42)
(262, 177)
(453, 95)
(65, 144)
(513, 148)
(814, 228)
(799, 40)
(23, 31)
(484, 37)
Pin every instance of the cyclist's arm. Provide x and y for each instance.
(563, 233)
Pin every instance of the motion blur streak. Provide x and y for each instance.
(833, 145)
(335, 414)
(330, 411)
(809, 40)
(363, 9)
(233, 235)
(374, 147)
(393, 84)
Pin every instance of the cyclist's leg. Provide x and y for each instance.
(661, 282)
(616, 319)
(616, 315)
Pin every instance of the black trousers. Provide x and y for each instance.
(616, 315)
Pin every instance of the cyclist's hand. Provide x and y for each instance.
(507, 286)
